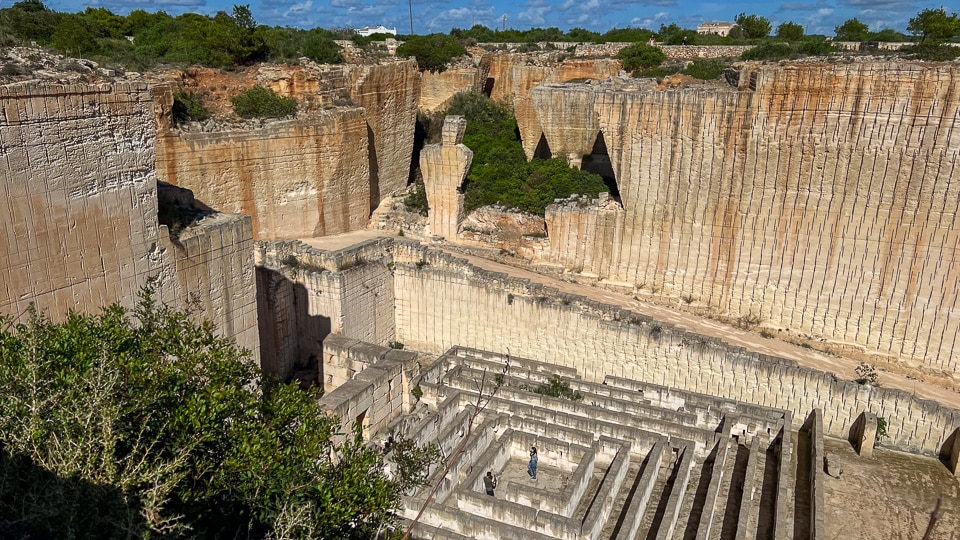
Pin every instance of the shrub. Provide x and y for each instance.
(416, 200)
(433, 52)
(260, 102)
(768, 51)
(188, 108)
(933, 52)
(641, 56)
(705, 69)
(395, 345)
(815, 48)
(558, 388)
(867, 374)
(789, 31)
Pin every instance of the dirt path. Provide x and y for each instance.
(750, 340)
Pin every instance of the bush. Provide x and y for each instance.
(867, 374)
(768, 51)
(188, 108)
(558, 388)
(815, 48)
(705, 69)
(933, 52)
(641, 56)
(433, 52)
(260, 102)
(416, 200)
(149, 425)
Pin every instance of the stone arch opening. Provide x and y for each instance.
(598, 162)
(543, 149)
(488, 86)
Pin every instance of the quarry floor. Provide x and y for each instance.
(888, 496)
(750, 340)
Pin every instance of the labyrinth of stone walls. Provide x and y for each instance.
(442, 301)
(78, 213)
(822, 198)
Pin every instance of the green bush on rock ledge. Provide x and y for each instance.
(260, 102)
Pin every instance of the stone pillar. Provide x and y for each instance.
(444, 167)
(864, 433)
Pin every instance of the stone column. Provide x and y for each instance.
(864, 433)
(444, 167)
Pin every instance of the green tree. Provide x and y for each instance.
(753, 26)
(75, 36)
(244, 17)
(30, 6)
(790, 31)
(852, 30)
(433, 52)
(146, 424)
(935, 25)
(640, 56)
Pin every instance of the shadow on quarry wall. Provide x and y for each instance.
(290, 337)
(178, 209)
(374, 170)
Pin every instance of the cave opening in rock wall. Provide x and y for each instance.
(598, 162)
(543, 149)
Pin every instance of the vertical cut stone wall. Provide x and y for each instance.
(78, 213)
(822, 198)
(442, 301)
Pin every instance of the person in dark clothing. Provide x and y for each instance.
(490, 483)
(532, 466)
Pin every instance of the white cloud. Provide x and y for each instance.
(299, 9)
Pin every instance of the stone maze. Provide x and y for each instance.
(621, 459)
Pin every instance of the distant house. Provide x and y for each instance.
(379, 29)
(718, 28)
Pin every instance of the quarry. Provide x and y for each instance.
(770, 231)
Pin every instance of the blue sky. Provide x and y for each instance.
(816, 16)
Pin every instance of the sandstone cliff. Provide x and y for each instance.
(817, 197)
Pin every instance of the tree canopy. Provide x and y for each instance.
(433, 52)
(753, 26)
(500, 172)
(934, 25)
(790, 31)
(145, 423)
(852, 30)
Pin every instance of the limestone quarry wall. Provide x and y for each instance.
(78, 213)
(295, 178)
(305, 294)
(322, 173)
(442, 301)
(822, 198)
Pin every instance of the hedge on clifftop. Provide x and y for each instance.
(433, 52)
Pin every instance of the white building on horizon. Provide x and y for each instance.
(718, 28)
(379, 29)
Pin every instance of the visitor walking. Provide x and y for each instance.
(490, 483)
(532, 466)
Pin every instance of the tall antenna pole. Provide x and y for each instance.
(504, 26)
(410, 3)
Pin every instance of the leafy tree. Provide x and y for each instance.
(261, 102)
(640, 56)
(500, 173)
(934, 24)
(145, 423)
(888, 35)
(30, 6)
(753, 26)
(790, 31)
(75, 36)
(852, 30)
(244, 17)
(433, 52)
(558, 388)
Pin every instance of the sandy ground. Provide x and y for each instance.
(750, 340)
(889, 496)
